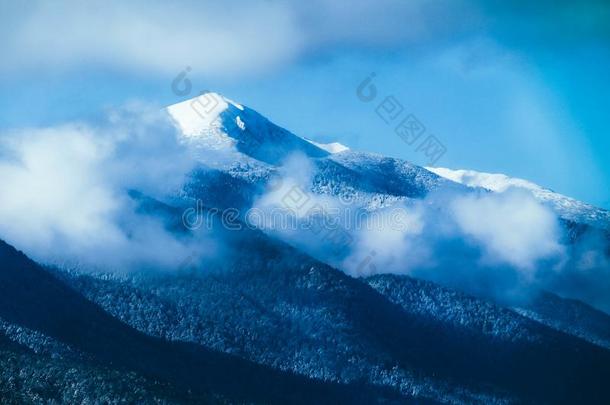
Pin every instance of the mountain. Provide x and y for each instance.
(570, 316)
(248, 147)
(239, 168)
(267, 315)
(271, 304)
(28, 376)
(264, 315)
(42, 312)
(217, 123)
(370, 181)
(238, 141)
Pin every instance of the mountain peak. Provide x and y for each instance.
(567, 207)
(197, 115)
(213, 121)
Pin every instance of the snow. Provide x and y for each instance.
(199, 119)
(240, 123)
(333, 147)
(214, 122)
(491, 181)
(568, 208)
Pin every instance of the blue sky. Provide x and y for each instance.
(520, 89)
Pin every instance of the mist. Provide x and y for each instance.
(65, 195)
(503, 245)
(67, 202)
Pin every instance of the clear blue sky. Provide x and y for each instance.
(521, 89)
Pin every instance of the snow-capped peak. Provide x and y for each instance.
(333, 147)
(214, 122)
(491, 181)
(566, 207)
(195, 117)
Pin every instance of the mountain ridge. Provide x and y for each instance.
(266, 315)
(212, 121)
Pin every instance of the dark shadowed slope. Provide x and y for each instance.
(32, 298)
(28, 378)
(559, 367)
(570, 316)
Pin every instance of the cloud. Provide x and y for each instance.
(65, 202)
(499, 244)
(504, 244)
(585, 274)
(249, 37)
(65, 191)
(508, 229)
(290, 211)
(393, 245)
(212, 38)
(295, 173)
(512, 227)
(150, 36)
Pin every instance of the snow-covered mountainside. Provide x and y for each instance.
(258, 316)
(247, 151)
(214, 122)
(56, 346)
(241, 142)
(269, 303)
(570, 316)
(243, 154)
(568, 208)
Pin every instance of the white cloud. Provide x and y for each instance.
(455, 233)
(512, 227)
(392, 247)
(55, 174)
(64, 191)
(211, 37)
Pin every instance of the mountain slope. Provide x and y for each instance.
(570, 316)
(504, 332)
(269, 303)
(248, 147)
(32, 298)
(258, 319)
(238, 141)
(27, 377)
